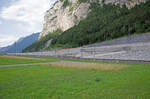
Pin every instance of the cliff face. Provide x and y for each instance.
(60, 17)
(67, 13)
(128, 3)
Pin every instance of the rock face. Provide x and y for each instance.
(63, 16)
(128, 3)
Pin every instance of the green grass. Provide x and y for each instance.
(46, 82)
(12, 61)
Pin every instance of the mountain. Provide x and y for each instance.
(68, 13)
(19, 45)
(104, 21)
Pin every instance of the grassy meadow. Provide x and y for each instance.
(11, 60)
(94, 80)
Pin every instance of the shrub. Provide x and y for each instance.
(65, 4)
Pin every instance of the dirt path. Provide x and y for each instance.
(18, 65)
(79, 65)
(21, 57)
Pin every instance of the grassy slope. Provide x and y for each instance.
(45, 82)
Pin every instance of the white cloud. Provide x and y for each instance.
(0, 22)
(30, 12)
(29, 17)
(5, 41)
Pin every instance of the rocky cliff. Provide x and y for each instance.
(67, 13)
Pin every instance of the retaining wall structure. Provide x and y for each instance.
(136, 47)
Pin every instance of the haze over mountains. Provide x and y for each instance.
(19, 45)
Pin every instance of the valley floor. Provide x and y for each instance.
(73, 79)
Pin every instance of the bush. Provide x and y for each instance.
(65, 4)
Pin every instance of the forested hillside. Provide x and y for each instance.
(104, 22)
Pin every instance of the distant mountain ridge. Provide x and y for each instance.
(21, 44)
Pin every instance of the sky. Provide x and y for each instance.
(20, 18)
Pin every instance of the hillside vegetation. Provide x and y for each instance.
(104, 22)
(40, 44)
